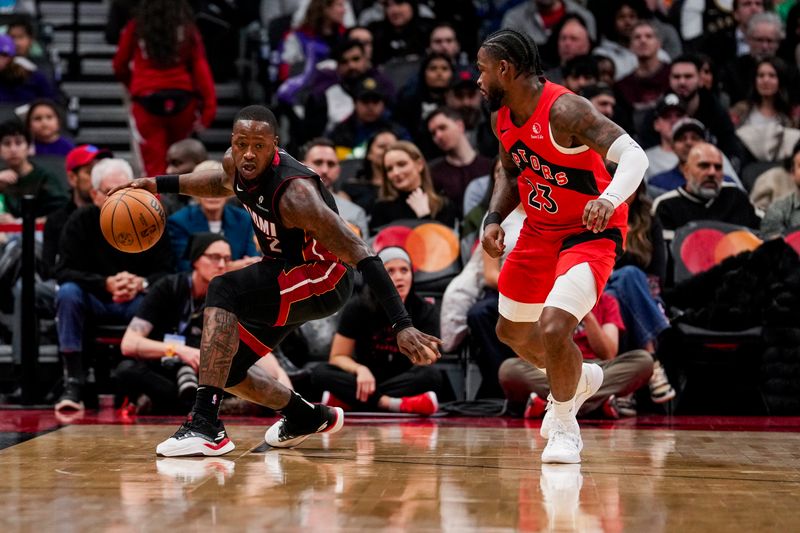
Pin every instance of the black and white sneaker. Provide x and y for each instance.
(284, 434)
(197, 436)
(70, 399)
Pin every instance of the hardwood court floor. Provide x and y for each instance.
(462, 475)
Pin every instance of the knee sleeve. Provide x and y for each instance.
(574, 291)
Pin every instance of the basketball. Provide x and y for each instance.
(132, 220)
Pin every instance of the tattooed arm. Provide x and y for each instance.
(203, 183)
(301, 206)
(505, 198)
(576, 122)
(135, 343)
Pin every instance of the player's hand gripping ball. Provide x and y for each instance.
(132, 220)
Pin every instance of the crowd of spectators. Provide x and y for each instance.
(381, 99)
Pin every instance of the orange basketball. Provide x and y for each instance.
(132, 220)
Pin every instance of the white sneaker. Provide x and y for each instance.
(197, 436)
(565, 443)
(660, 389)
(588, 384)
(282, 434)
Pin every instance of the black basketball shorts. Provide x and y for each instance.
(271, 298)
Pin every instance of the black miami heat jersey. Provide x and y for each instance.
(260, 197)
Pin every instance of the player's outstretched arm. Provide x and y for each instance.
(301, 206)
(203, 183)
(576, 122)
(505, 198)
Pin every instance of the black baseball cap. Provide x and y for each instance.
(688, 124)
(668, 102)
(369, 89)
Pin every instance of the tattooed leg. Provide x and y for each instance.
(218, 346)
(261, 388)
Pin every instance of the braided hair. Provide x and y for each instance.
(516, 48)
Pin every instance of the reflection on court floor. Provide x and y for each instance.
(405, 476)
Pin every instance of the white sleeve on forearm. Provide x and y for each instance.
(631, 166)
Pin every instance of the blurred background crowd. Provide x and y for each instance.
(380, 98)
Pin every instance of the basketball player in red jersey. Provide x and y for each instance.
(305, 275)
(552, 145)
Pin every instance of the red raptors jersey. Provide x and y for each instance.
(555, 182)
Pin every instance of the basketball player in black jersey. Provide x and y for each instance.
(305, 275)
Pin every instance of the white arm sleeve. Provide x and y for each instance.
(631, 166)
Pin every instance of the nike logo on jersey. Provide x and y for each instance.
(238, 187)
(503, 131)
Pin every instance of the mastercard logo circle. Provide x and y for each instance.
(432, 247)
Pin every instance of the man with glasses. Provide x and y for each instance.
(217, 216)
(764, 35)
(96, 282)
(162, 342)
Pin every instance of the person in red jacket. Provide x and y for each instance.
(162, 62)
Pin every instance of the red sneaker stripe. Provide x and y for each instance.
(215, 447)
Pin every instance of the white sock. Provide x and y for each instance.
(394, 404)
(564, 409)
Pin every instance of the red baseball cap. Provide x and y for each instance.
(83, 155)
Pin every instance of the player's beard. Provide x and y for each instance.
(494, 98)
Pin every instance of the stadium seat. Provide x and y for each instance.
(752, 171)
(700, 245)
(710, 361)
(433, 247)
(792, 237)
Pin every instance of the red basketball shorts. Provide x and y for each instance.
(530, 270)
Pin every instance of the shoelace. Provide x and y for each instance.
(183, 430)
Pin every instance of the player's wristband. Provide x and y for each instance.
(378, 280)
(492, 218)
(168, 183)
